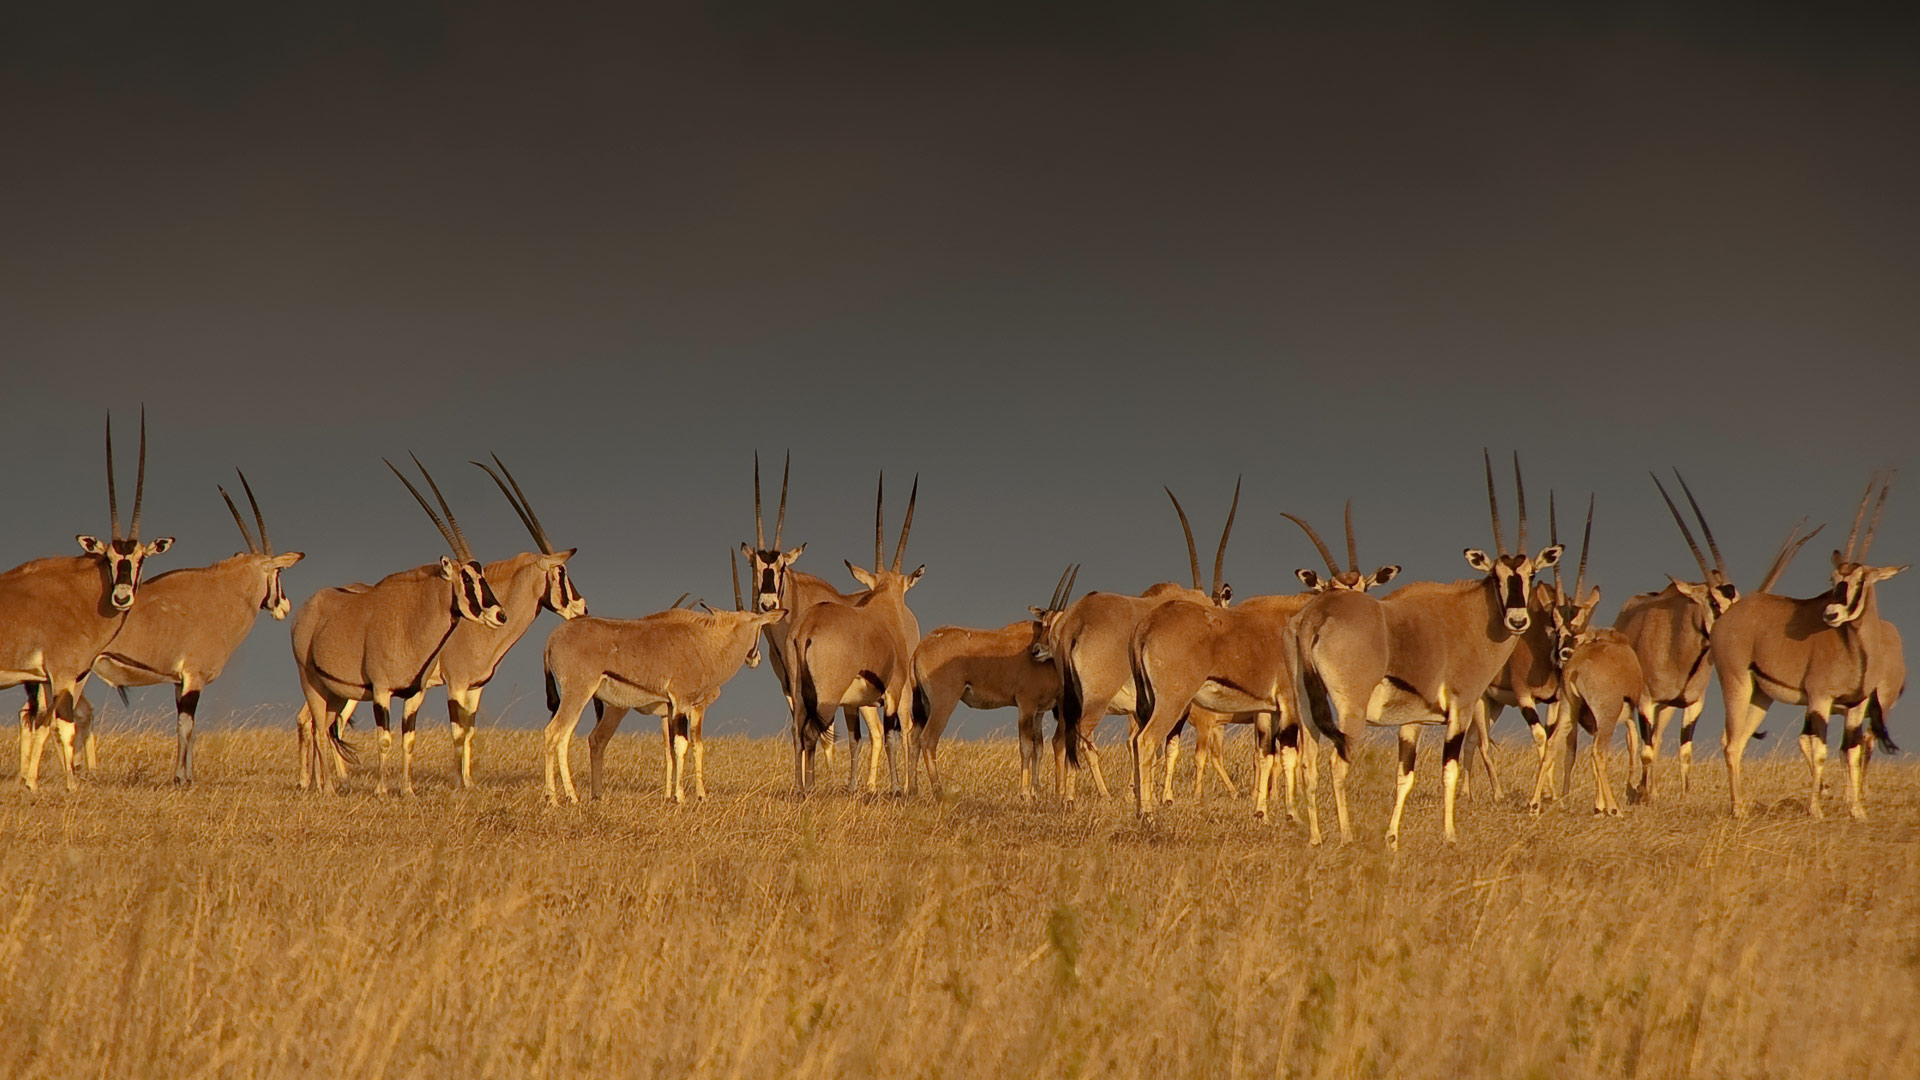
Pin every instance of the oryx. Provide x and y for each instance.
(1427, 651)
(189, 622)
(1091, 643)
(1822, 652)
(374, 642)
(986, 669)
(525, 584)
(671, 664)
(858, 654)
(58, 613)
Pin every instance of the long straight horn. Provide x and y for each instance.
(733, 567)
(1853, 534)
(266, 542)
(515, 503)
(1682, 522)
(1066, 594)
(879, 522)
(453, 524)
(1220, 554)
(906, 526)
(1788, 549)
(1353, 551)
(452, 544)
(1705, 529)
(1053, 602)
(1874, 525)
(1332, 567)
(235, 511)
(1193, 554)
(526, 509)
(780, 523)
(1493, 506)
(677, 603)
(1520, 492)
(140, 480)
(1553, 539)
(759, 530)
(1580, 578)
(114, 502)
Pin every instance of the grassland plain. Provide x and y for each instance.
(246, 929)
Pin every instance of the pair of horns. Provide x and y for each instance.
(139, 484)
(1788, 549)
(1353, 550)
(779, 523)
(1493, 505)
(1719, 565)
(1063, 589)
(1586, 542)
(880, 524)
(265, 546)
(450, 528)
(517, 497)
(1220, 553)
(1872, 527)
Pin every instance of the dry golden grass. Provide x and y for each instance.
(245, 929)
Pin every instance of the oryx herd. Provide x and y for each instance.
(1325, 664)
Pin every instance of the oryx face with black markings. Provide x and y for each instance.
(124, 556)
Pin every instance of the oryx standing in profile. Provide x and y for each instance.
(376, 642)
(1091, 642)
(1428, 651)
(986, 669)
(671, 664)
(1825, 652)
(858, 654)
(776, 584)
(525, 584)
(189, 622)
(58, 613)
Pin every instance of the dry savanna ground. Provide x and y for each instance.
(246, 929)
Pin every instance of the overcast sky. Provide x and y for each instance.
(1048, 258)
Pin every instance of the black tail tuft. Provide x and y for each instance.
(922, 707)
(1067, 713)
(810, 700)
(1142, 691)
(553, 695)
(122, 691)
(1877, 716)
(348, 753)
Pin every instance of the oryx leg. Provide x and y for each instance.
(1266, 752)
(1688, 717)
(1605, 719)
(463, 708)
(1217, 754)
(940, 705)
(186, 700)
(1172, 743)
(678, 730)
(1030, 739)
(1483, 750)
(1543, 775)
(1746, 711)
(63, 728)
(1857, 743)
(409, 714)
(606, 721)
(30, 720)
(1409, 736)
(382, 722)
(1342, 762)
(556, 742)
(1459, 720)
(696, 730)
(1813, 744)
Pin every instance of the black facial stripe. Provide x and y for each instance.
(767, 582)
(123, 572)
(470, 592)
(1516, 596)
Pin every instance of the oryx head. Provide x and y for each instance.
(1511, 574)
(1222, 593)
(1852, 577)
(768, 567)
(1570, 617)
(273, 600)
(1348, 580)
(557, 593)
(1715, 592)
(1041, 648)
(473, 598)
(124, 555)
(884, 578)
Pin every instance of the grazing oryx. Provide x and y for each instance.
(58, 613)
(525, 584)
(1229, 660)
(776, 584)
(986, 669)
(1091, 642)
(375, 642)
(189, 622)
(1600, 680)
(671, 664)
(1823, 652)
(1427, 649)
(858, 654)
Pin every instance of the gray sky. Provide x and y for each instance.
(1048, 260)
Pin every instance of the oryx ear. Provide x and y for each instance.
(1039, 613)
(1383, 575)
(160, 545)
(746, 549)
(790, 556)
(1549, 556)
(1838, 560)
(773, 615)
(914, 578)
(448, 569)
(860, 574)
(1308, 578)
(1882, 573)
(558, 558)
(91, 545)
(286, 559)
(1695, 593)
(1479, 561)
